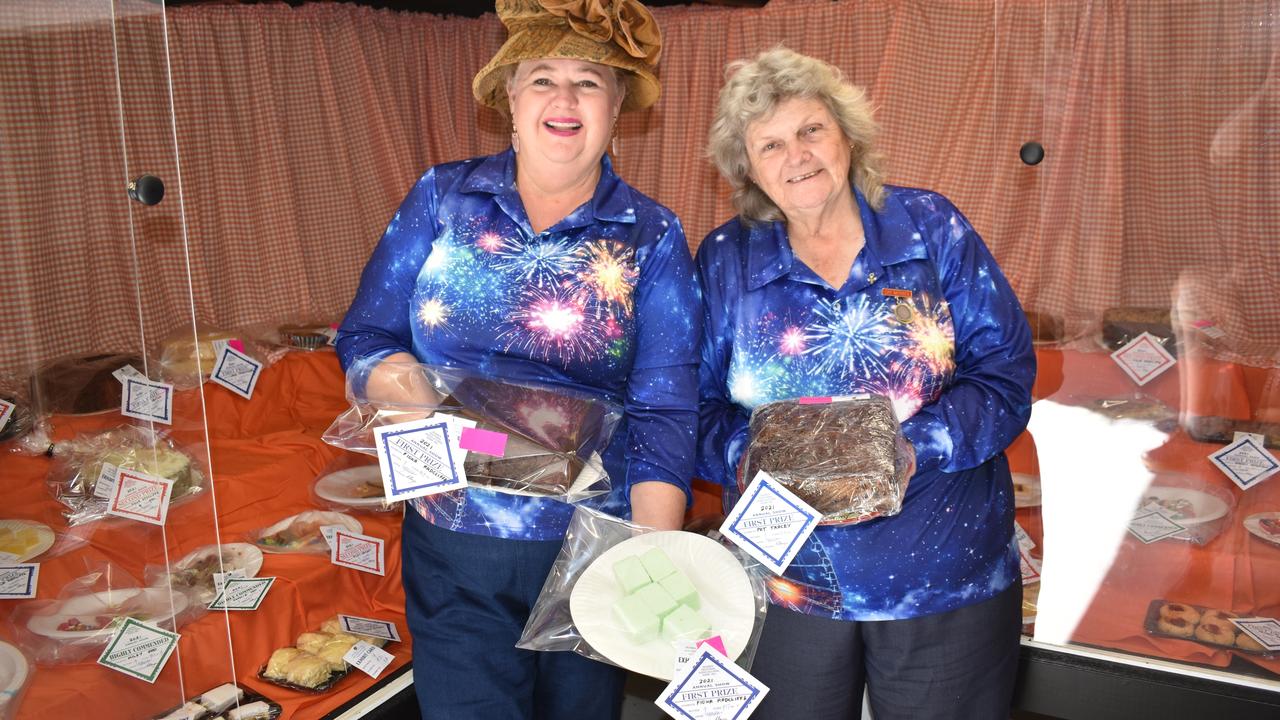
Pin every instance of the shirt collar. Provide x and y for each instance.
(613, 200)
(891, 237)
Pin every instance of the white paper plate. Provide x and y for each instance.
(1026, 490)
(317, 543)
(337, 487)
(155, 605)
(727, 601)
(1253, 524)
(13, 672)
(43, 533)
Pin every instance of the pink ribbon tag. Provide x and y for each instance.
(235, 344)
(814, 401)
(483, 441)
(715, 642)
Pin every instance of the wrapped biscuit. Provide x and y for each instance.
(845, 457)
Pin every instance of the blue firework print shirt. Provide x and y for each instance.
(959, 374)
(605, 302)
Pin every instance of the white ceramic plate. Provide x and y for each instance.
(1026, 490)
(338, 487)
(727, 601)
(153, 605)
(43, 533)
(1253, 524)
(13, 672)
(316, 543)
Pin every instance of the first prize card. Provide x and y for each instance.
(770, 522)
(369, 627)
(139, 496)
(712, 688)
(147, 400)
(18, 581)
(139, 649)
(236, 372)
(358, 552)
(1246, 461)
(422, 457)
(241, 593)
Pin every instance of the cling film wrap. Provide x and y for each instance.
(553, 435)
(83, 464)
(845, 457)
(576, 609)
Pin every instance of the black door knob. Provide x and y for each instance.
(1032, 153)
(147, 189)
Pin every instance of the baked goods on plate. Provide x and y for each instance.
(301, 533)
(24, 539)
(82, 385)
(314, 663)
(1264, 525)
(1198, 623)
(96, 615)
(195, 572)
(358, 487)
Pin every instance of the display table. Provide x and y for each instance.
(264, 455)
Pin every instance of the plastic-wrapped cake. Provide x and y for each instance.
(81, 385)
(847, 459)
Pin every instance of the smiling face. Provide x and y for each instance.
(799, 156)
(563, 111)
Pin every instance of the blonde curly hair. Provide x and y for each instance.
(754, 89)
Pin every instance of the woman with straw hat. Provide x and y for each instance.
(539, 265)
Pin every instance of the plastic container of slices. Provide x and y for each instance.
(1194, 620)
(1203, 509)
(229, 701)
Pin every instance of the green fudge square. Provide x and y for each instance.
(657, 599)
(636, 619)
(683, 591)
(657, 564)
(685, 624)
(630, 574)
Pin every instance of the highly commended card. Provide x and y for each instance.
(236, 371)
(241, 593)
(770, 522)
(1265, 630)
(139, 496)
(139, 649)
(712, 688)
(147, 400)
(1152, 525)
(422, 457)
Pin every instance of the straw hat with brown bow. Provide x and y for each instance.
(617, 33)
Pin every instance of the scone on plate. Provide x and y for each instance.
(1180, 611)
(1218, 632)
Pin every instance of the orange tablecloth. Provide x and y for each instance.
(1235, 571)
(265, 453)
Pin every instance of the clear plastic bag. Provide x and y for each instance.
(88, 610)
(25, 430)
(845, 456)
(302, 533)
(352, 481)
(85, 466)
(580, 608)
(553, 436)
(16, 669)
(187, 360)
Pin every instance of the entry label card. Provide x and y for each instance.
(139, 496)
(422, 457)
(1152, 525)
(712, 688)
(369, 627)
(1265, 630)
(236, 372)
(358, 552)
(18, 581)
(139, 649)
(147, 400)
(1246, 461)
(686, 650)
(241, 593)
(6, 411)
(770, 523)
(370, 659)
(106, 485)
(1143, 359)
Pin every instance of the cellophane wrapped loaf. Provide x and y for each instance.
(846, 458)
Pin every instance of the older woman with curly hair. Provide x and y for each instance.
(828, 283)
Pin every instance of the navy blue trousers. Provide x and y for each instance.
(957, 665)
(467, 598)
